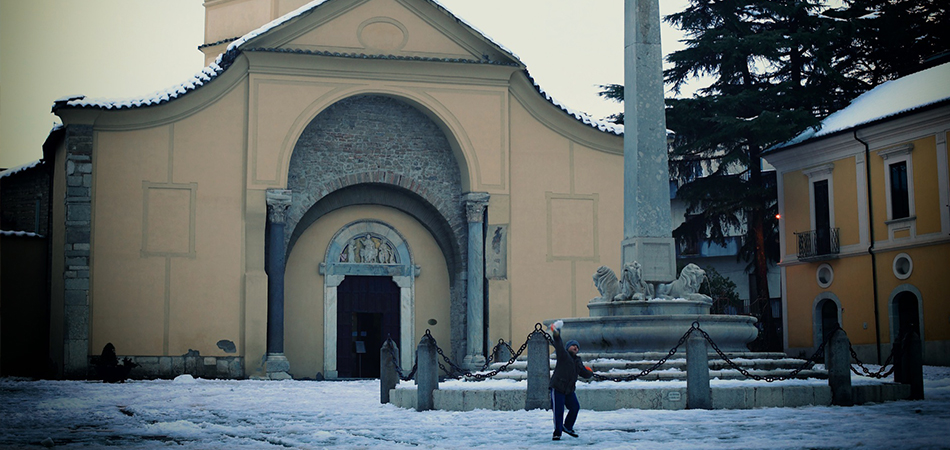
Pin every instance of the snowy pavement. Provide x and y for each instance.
(211, 414)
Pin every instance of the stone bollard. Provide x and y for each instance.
(427, 373)
(504, 355)
(897, 351)
(912, 365)
(698, 394)
(839, 368)
(539, 373)
(388, 377)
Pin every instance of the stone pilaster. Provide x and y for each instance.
(78, 239)
(475, 204)
(278, 202)
(647, 226)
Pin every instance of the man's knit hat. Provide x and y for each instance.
(572, 342)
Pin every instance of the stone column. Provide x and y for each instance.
(475, 203)
(647, 226)
(78, 228)
(278, 201)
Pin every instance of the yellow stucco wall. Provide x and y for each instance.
(846, 201)
(304, 286)
(566, 221)
(928, 276)
(926, 190)
(166, 253)
(850, 286)
(797, 216)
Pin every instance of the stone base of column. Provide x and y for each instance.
(657, 257)
(277, 367)
(473, 362)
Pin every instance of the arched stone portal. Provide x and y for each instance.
(379, 150)
(367, 249)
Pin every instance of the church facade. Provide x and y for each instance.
(352, 170)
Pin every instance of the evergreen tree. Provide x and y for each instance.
(888, 39)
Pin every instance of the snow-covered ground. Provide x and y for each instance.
(207, 414)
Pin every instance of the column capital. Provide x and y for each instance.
(475, 203)
(278, 201)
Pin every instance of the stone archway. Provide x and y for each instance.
(368, 248)
(378, 150)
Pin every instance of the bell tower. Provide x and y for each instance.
(227, 20)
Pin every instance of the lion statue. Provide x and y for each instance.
(606, 282)
(686, 286)
(632, 286)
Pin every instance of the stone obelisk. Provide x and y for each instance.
(647, 226)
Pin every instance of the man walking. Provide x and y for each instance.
(568, 367)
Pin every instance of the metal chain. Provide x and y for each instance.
(880, 373)
(459, 372)
(768, 378)
(659, 363)
(392, 353)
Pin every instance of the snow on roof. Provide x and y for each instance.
(601, 125)
(224, 60)
(19, 233)
(886, 100)
(21, 168)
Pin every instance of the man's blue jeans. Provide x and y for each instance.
(559, 401)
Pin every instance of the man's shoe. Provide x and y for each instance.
(570, 432)
(556, 437)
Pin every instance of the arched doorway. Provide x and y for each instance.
(367, 314)
(907, 313)
(904, 308)
(826, 316)
(829, 317)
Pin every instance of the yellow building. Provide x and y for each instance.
(865, 221)
(353, 169)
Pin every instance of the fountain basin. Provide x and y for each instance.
(655, 333)
(654, 307)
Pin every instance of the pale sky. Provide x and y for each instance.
(126, 48)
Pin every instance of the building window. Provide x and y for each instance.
(899, 181)
(821, 241)
(900, 204)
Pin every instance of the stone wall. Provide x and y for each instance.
(168, 367)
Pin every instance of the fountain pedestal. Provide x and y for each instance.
(619, 327)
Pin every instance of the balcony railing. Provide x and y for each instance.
(818, 244)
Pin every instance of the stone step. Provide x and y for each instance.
(675, 369)
(605, 365)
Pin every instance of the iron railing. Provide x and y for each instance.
(818, 244)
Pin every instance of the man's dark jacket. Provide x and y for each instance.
(567, 369)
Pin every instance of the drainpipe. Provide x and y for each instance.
(877, 312)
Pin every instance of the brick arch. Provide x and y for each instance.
(385, 177)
